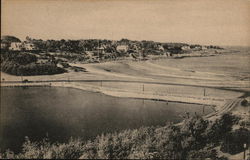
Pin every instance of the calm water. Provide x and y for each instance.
(61, 113)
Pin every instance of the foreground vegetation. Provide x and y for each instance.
(196, 138)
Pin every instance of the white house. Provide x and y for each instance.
(160, 47)
(29, 46)
(4, 45)
(185, 47)
(197, 48)
(16, 46)
(122, 48)
(101, 49)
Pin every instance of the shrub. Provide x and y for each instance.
(19, 58)
(233, 142)
(188, 141)
(203, 154)
(31, 69)
(25, 64)
(220, 127)
(244, 103)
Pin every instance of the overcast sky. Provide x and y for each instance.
(219, 22)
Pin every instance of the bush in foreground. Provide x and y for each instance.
(190, 140)
(233, 142)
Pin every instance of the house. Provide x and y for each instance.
(122, 48)
(160, 48)
(4, 45)
(197, 47)
(16, 46)
(203, 47)
(185, 48)
(100, 49)
(29, 46)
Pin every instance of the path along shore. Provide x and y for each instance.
(220, 105)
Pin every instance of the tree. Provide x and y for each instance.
(220, 127)
(9, 39)
(28, 39)
(233, 142)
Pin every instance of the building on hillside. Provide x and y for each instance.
(29, 46)
(4, 45)
(197, 48)
(16, 46)
(100, 49)
(160, 47)
(185, 48)
(122, 48)
(203, 47)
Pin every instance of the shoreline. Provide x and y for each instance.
(218, 109)
(217, 105)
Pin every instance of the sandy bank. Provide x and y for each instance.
(216, 102)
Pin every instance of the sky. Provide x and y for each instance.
(208, 22)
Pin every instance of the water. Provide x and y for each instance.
(61, 113)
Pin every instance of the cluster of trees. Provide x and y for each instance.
(7, 39)
(196, 138)
(214, 47)
(19, 58)
(24, 64)
(80, 46)
(72, 46)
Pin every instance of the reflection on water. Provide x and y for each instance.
(60, 113)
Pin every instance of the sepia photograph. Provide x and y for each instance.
(125, 79)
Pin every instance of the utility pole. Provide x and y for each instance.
(99, 50)
(143, 95)
(244, 155)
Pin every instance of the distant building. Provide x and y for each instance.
(4, 45)
(29, 46)
(122, 48)
(101, 49)
(160, 47)
(16, 46)
(185, 47)
(203, 47)
(197, 48)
